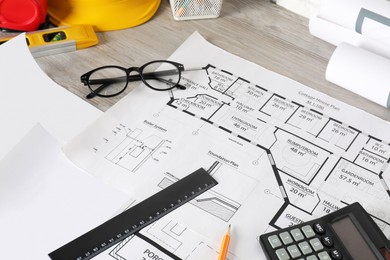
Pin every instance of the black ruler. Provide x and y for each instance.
(135, 218)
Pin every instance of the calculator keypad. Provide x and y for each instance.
(282, 254)
(274, 241)
(297, 234)
(304, 243)
(286, 238)
(308, 231)
(316, 244)
(294, 251)
(327, 241)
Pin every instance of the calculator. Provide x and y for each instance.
(346, 234)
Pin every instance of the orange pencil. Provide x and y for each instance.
(225, 244)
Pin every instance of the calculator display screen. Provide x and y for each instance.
(352, 239)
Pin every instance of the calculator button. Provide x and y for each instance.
(327, 241)
(318, 228)
(305, 248)
(286, 238)
(308, 231)
(282, 254)
(316, 244)
(311, 257)
(336, 254)
(294, 251)
(297, 234)
(323, 256)
(274, 241)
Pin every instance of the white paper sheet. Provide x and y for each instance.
(355, 22)
(45, 201)
(302, 7)
(29, 96)
(285, 153)
(362, 72)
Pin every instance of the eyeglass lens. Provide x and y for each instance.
(161, 75)
(108, 81)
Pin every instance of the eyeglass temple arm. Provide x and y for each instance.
(155, 74)
(194, 69)
(96, 91)
(106, 84)
(150, 75)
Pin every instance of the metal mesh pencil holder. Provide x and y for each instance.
(195, 9)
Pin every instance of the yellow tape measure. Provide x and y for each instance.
(59, 39)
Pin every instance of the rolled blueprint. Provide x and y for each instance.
(359, 22)
(336, 34)
(362, 72)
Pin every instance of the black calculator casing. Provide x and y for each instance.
(348, 234)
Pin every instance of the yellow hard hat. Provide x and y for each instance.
(103, 15)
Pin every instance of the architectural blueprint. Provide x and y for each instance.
(282, 154)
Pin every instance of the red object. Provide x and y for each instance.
(22, 15)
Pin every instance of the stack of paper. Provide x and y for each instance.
(365, 26)
(29, 96)
(45, 201)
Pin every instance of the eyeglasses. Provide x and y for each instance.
(109, 81)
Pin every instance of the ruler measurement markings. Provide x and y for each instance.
(135, 218)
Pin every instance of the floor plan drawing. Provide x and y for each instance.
(311, 152)
(285, 153)
(132, 152)
(136, 246)
(130, 149)
(214, 203)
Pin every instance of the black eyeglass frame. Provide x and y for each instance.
(140, 76)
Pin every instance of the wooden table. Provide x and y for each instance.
(256, 30)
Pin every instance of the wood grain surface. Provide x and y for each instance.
(255, 30)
